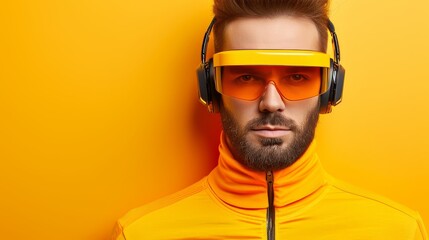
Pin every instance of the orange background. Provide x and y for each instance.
(99, 110)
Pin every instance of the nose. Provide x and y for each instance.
(271, 100)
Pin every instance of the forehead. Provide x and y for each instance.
(281, 32)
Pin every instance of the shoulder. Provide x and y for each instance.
(161, 210)
(346, 191)
(375, 209)
(164, 202)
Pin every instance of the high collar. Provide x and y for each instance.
(242, 187)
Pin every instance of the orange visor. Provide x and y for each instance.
(296, 76)
(249, 82)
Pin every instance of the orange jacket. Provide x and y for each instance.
(232, 202)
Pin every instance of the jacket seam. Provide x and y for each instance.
(375, 200)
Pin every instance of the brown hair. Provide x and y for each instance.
(228, 10)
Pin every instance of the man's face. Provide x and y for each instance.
(269, 133)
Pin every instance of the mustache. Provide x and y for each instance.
(275, 119)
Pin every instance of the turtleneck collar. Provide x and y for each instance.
(242, 187)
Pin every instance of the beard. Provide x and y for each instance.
(270, 154)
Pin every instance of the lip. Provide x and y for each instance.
(270, 128)
(269, 131)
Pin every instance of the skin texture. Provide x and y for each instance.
(269, 133)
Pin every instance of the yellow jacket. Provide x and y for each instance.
(232, 202)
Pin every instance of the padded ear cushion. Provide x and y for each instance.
(213, 104)
(325, 98)
(339, 85)
(324, 107)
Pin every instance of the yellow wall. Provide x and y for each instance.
(99, 114)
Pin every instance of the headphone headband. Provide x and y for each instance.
(206, 41)
(331, 28)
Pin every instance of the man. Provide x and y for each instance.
(271, 79)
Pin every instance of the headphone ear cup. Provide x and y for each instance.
(206, 85)
(334, 95)
(202, 84)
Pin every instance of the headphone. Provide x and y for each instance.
(210, 98)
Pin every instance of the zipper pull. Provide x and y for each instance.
(270, 177)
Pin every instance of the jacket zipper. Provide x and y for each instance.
(271, 215)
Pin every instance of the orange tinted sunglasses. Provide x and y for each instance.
(297, 75)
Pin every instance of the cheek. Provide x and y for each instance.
(243, 111)
(298, 110)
